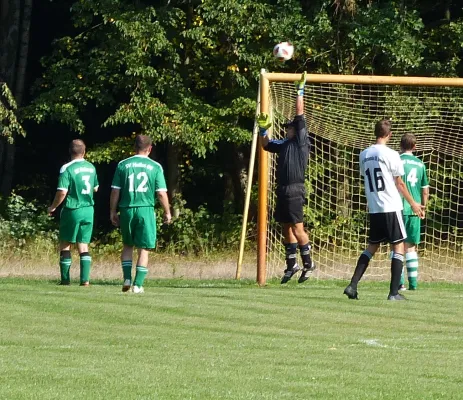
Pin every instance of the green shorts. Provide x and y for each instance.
(138, 227)
(76, 225)
(413, 227)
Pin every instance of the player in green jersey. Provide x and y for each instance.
(417, 183)
(76, 184)
(136, 181)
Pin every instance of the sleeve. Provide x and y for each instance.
(301, 130)
(424, 179)
(397, 166)
(63, 181)
(160, 181)
(274, 146)
(361, 167)
(116, 184)
(96, 184)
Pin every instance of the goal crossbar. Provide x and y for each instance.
(364, 79)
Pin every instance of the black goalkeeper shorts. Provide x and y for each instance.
(290, 201)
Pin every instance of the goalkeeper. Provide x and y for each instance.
(416, 179)
(293, 155)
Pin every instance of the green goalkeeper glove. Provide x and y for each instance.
(300, 85)
(264, 123)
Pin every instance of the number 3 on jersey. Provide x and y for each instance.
(86, 180)
(378, 180)
(411, 177)
(142, 187)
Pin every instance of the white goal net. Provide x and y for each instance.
(340, 120)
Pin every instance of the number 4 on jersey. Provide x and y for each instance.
(411, 177)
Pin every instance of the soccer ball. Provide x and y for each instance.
(283, 51)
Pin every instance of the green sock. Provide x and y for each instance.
(140, 276)
(402, 278)
(64, 267)
(411, 260)
(127, 269)
(85, 266)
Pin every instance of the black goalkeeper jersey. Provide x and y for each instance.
(293, 154)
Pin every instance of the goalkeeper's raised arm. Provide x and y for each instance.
(298, 123)
(300, 87)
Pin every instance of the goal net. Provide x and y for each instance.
(340, 120)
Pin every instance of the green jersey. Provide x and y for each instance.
(415, 178)
(138, 178)
(78, 178)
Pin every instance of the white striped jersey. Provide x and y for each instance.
(379, 165)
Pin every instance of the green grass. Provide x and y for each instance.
(228, 340)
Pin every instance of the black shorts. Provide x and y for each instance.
(387, 227)
(290, 203)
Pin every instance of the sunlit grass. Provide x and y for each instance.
(190, 339)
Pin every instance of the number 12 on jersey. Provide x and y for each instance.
(142, 186)
(377, 179)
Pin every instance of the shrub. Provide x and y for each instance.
(23, 222)
(199, 232)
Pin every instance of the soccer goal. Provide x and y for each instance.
(341, 112)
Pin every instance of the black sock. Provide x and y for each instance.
(65, 254)
(362, 265)
(291, 250)
(305, 255)
(397, 264)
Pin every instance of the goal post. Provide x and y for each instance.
(262, 190)
(341, 111)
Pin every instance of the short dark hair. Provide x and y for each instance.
(383, 128)
(77, 148)
(142, 142)
(408, 142)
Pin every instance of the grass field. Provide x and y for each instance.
(229, 340)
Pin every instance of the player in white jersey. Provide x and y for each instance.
(382, 170)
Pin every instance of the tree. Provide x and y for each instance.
(15, 17)
(184, 72)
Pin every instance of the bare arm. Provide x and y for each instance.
(300, 105)
(402, 188)
(113, 202)
(264, 141)
(59, 198)
(164, 200)
(424, 196)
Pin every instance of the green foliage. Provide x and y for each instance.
(106, 243)
(23, 222)
(381, 37)
(119, 148)
(9, 125)
(196, 232)
(200, 232)
(178, 73)
(444, 49)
